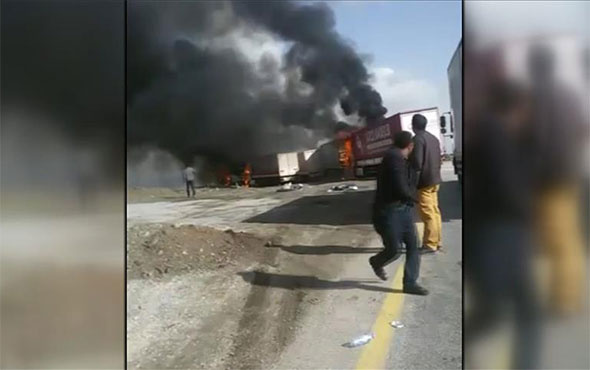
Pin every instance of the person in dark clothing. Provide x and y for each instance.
(426, 156)
(426, 161)
(392, 214)
(498, 240)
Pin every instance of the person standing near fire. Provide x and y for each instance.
(189, 179)
(426, 161)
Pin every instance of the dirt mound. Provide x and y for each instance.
(158, 250)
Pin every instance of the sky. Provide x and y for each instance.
(493, 20)
(410, 43)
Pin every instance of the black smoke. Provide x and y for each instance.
(63, 68)
(191, 97)
(327, 61)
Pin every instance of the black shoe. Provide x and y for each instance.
(378, 270)
(426, 250)
(415, 290)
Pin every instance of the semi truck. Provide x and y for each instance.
(508, 59)
(371, 142)
(454, 73)
(297, 166)
(361, 150)
(274, 168)
(324, 161)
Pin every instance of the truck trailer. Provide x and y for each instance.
(509, 60)
(454, 72)
(320, 162)
(370, 143)
(273, 168)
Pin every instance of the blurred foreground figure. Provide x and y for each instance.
(586, 151)
(498, 244)
(558, 132)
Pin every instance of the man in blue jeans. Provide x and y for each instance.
(392, 214)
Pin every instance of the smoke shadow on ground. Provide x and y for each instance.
(347, 208)
(325, 250)
(328, 250)
(166, 198)
(350, 208)
(259, 278)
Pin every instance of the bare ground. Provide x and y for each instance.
(190, 304)
(225, 280)
(159, 250)
(202, 297)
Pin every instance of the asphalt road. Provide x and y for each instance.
(431, 336)
(325, 241)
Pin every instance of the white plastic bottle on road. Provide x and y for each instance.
(360, 341)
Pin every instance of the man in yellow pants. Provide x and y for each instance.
(559, 135)
(562, 241)
(426, 161)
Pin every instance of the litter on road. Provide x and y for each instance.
(360, 341)
(396, 324)
(343, 187)
(290, 187)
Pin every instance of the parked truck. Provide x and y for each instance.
(455, 72)
(361, 150)
(322, 162)
(273, 168)
(371, 142)
(509, 60)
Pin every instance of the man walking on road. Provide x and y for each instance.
(189, 179)
(392, 214)
(426, 161)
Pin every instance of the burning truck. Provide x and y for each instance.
(371, 142)
(303, 166)
(353, 153)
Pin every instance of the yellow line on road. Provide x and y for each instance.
(374, 354)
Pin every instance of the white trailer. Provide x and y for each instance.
(322, 161)
(432, 122)
(275, 167)
(370, 143)
(455, 75)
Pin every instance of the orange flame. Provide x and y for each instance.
(246, 175)
(223, 176)
(345, 153)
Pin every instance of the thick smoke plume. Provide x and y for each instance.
(193, 91)
(63, 74)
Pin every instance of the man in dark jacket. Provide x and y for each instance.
(392, 214)
(426, 161)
